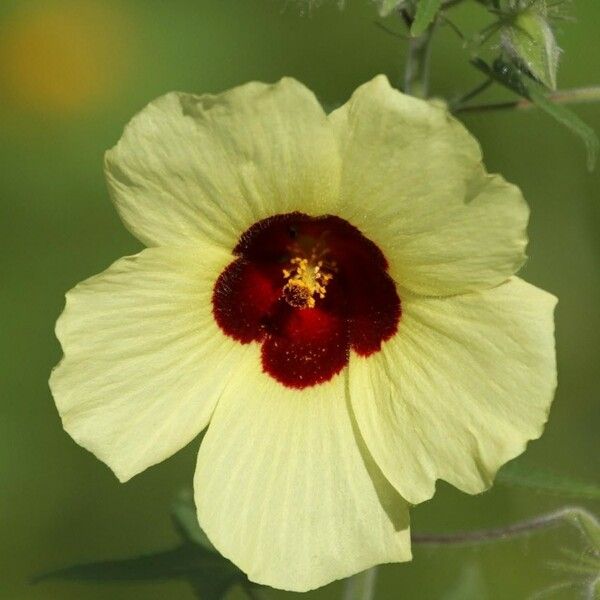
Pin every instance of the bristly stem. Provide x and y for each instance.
(583, 95)
(585, 521)
(416, 71)
(361, 586)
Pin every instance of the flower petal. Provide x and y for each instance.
(208, 167)
(460, 389)
(413, 182)
(144, 360)
(286, 489)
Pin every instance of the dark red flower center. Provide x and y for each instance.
(309, 289)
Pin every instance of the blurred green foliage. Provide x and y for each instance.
(72, 72)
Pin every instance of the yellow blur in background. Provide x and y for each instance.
(64, 58)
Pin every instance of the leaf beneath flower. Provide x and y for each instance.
(520, 475)
(208, 573)
(569, 119)
(195, 561)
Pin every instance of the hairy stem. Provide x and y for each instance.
(583, 95)
(576, 516)
(416, 72)
(361, 586)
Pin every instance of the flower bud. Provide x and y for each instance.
(530, 41)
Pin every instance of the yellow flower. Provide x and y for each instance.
(333, 296)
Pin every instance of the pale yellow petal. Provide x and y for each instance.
(413, 182)
(286, 490)
(207, 167)
(460, 389)
(144, 361)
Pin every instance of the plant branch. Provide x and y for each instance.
(457, 104)
(389, 31)
(416, 71)
(453, 27)
(574, 515)
(583, 95)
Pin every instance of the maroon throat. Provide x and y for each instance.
(309, 290)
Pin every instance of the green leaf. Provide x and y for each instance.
(569, 119)
(195, 561)
(206, 571)
(515, 80)
(531, 41)
(517, 474)
(181, 562)
(427, 10)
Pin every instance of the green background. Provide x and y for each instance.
(59, 505)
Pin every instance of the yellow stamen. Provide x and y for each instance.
(306, 281)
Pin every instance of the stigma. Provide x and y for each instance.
(306, 281)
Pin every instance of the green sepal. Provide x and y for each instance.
(530, 40)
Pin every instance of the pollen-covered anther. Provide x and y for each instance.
(306, 281)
